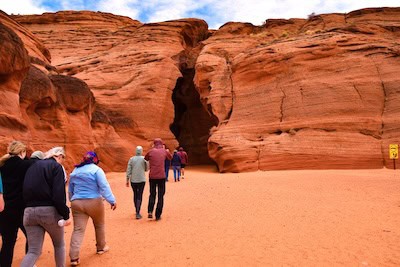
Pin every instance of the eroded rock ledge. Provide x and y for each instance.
(290, 94)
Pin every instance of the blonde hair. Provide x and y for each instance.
(14, 149)
(54, 152)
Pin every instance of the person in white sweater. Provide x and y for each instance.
(135, 175)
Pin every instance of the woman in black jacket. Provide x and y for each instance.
(13, 168)
(45, 199)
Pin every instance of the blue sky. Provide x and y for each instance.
(215, 12)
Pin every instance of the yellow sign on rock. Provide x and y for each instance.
(394, 151)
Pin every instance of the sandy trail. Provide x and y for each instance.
(276, 218)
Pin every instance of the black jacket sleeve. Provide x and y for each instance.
(58, 192)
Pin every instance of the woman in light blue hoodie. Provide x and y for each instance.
(87, 187)
(135, 175)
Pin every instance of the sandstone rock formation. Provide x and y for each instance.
(39, 106)
(290, 94)
(318, 93)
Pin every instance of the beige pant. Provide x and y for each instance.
(82, 209)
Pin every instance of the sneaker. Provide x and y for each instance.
(138, 216)
(104, 250)
(75, 262)
(150, 216)
(183, 177)
(158, 218)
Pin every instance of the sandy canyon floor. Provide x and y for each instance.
(275, 218)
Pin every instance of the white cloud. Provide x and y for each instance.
(128, 8)
(21, 7)
(215, 12)
(72, 4)
(168, 10)
(257, 12)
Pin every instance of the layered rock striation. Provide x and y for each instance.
(311, 93)
(294, 94)
(38, 105)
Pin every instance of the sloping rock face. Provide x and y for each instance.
(132, 70)
(39, 106)
(290, 94)
(14, 65)
(304, 94)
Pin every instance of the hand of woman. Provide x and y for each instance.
(68, 222)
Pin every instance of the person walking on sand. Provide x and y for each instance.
(44, 195)
(156, 156)
(167, 164)
(13, 167)
(184, 161)
(135, 175)
(1, 195)
(176, 165)
(88, 186)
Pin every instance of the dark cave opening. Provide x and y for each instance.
(192, 123)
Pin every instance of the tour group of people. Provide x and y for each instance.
(33, 197)
(158, 160)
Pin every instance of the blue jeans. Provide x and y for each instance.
(37, 221)
(166, 168)
(177, 172)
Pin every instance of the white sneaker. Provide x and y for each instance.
(75, 262)
(104, 250)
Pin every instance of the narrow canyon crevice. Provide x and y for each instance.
(192, 122)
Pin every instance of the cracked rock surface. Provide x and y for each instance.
(315, 93)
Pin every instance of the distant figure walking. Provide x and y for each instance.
(156, 156)
(176, 165)
(135, 175)
(13, 167)
(87, 187)
(167, 164)
(45, 198)
(184, 160)
(1, 195)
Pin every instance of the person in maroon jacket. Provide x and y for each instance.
(184, 161)
(156, 157)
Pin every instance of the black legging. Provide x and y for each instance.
(137, 194)
(10, 221)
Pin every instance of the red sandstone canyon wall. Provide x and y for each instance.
(289, 94)
(294, 94)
